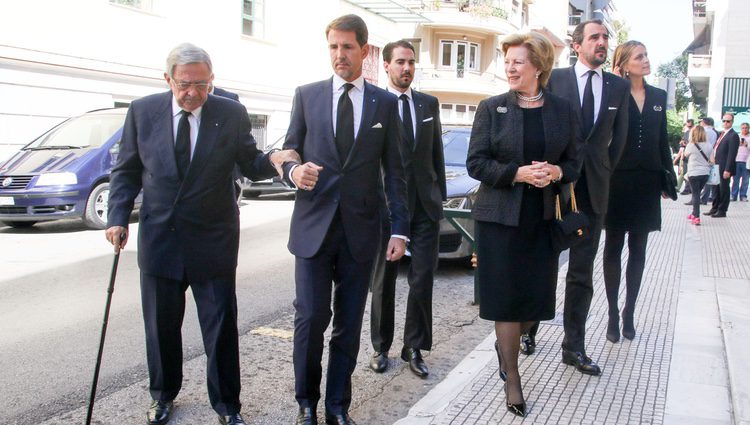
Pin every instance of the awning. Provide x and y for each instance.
(391, 10)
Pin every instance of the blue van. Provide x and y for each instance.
(64, 173)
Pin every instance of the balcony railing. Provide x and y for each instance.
(699, 66)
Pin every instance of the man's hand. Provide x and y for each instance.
(396, 249)
(726, 175)
(305, 176)
(278, 159)
(117, 236)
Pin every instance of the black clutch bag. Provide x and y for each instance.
(669, 184)
(571, 228)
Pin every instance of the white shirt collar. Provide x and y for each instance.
(176, 109)
(338, 82)
(581, 70)
(398, 93)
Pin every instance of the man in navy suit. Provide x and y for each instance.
(602, 101)
(725, 155)
(180, 148)
(346, 130)
(422, 148)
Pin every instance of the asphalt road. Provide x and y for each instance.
(53, 278)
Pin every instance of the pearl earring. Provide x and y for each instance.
(537, 75)
(627, 74)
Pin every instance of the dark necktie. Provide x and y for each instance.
(408, 124)
(345, 124)
(182, 145)
(588, 106)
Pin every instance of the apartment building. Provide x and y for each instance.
(719, 58)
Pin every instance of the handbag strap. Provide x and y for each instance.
(573, 204)
(702, 153)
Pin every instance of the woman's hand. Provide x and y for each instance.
(538, 174)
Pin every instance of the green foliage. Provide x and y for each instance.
(623, 31)
(482, 8)
(674, 129)
(677, 69)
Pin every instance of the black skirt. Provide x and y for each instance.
(517, 266)
(634, 201)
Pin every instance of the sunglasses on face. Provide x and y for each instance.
(726, 120)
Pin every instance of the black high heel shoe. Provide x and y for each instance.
(518, 409)
(500, 371)
(628, 329)
(528, 344)
(613, 329)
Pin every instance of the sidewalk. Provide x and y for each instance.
(687, 365)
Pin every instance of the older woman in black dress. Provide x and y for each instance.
(635, 187)
(521, 142)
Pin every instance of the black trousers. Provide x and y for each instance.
(332, 275)
(697, 183)
(163, 303)
(423, 247)
(721, 200)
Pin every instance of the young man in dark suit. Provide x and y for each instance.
(602, 100)
(425, 181)
(346, 130)
(725, 155)
(180, 148)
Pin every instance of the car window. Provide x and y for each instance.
(456, 146)
(84, 131)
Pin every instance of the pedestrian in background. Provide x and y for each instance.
(739, 181)
(724, 154)
(709, 190)
(521, 142)
(636, 187)
(697, 154)
(680, 161)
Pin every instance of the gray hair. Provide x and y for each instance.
(187, 53)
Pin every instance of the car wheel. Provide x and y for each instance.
(19, 224)
(95, 216)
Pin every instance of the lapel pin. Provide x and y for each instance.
(657, 108)
(502, 109)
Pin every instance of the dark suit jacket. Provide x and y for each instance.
(604, 145)
(190, 227)
(496, 152)
(647, 146)
(349, 185)
(224, 93)
(726, 153)
(424, 163)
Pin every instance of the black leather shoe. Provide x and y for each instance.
(235, 419)
(307, 416)
(582, 363)
(719, 215)
(711, 212)
(342, 419)
(688, 203)
(416, 364)
(528, 344)
(379, 362)
(159, 412)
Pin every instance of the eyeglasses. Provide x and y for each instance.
(184, 85)
(726, 120)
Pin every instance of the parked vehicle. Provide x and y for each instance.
(460, 190)
(64, 173)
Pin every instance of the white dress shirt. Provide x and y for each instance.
(410, 96)
(597, 81)
(356, 94)
(194, 120)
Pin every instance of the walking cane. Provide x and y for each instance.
(110, 290)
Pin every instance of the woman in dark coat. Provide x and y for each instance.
(521, 142)
(635, 187)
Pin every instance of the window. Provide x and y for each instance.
(137, 4)
(457, 113)
(258, 127)
(252, 18)
(371, 65)
(459, 55)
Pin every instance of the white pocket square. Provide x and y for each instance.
(612, 108)
(427, 119)
(378, 125)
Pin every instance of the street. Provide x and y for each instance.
(54, 284)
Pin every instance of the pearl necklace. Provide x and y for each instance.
(530, 98)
